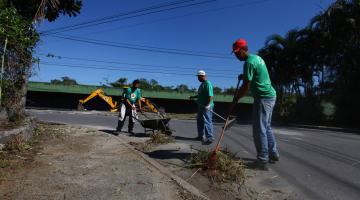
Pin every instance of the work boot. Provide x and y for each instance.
(199, 138)
(117, 131)
(273, 159)
(258, 165)
(208, 141)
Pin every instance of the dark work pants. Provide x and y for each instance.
(131, 119)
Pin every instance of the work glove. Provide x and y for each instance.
(241, 77)
(207, 107)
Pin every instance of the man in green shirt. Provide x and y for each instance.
(205, 106)
(132, 95)
(256, 79)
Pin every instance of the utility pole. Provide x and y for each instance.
(2, 70)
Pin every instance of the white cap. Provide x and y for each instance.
(201, 73)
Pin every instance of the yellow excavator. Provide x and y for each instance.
(99, 92)
(113, 104)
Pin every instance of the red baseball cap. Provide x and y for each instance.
(239, 44)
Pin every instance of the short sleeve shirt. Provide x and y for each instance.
(205, 91)
(255, 71)
(132, 96)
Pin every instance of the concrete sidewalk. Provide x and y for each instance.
(81, 163)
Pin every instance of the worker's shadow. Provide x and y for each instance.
(169, 154)
(185, 138)
(115, 133)
(111, 132)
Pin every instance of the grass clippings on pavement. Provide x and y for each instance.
(227, 166)
(156, 138)
(160, 138)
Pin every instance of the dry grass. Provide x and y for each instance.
(227, 166)
(160, 138)
(155, 139)
(17, 144)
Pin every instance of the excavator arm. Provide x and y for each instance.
(148, 105)
(99, 92)
(109, 100)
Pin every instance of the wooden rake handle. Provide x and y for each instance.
(232, 106)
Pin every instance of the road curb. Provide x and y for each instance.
(179, 181)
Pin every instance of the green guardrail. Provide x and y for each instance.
(87, 89)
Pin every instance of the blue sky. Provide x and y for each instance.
(186, 28)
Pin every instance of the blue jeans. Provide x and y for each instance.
(204, 124)
(263, 135)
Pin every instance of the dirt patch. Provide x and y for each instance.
(64, 162)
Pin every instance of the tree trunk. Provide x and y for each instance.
(16, 97)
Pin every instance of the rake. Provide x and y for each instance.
(211, 163)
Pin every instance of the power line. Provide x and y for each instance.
(162, 49)
(129, 70)
(182, 16)
(151, 47)
(221, 69)
(117, 45)
(117, 15)
(95, 23)
(161, 68)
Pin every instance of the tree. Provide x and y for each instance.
(17, 26)
(319, 63)
(217, 90)
(230, 91)
(121, 82)
(64, 81)
(48, 9)
(21, 39)
(182, 88)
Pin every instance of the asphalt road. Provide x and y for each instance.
(319, 164)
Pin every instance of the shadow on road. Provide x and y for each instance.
(113, 132)
(169, 154)
(185, 138)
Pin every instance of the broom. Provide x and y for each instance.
(211, 163)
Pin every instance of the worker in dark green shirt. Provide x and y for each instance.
(132, 95)
(205, 106)
(256, 79)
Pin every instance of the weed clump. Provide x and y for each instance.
(160, 138)
(17, 144)
(227, 166)
(155, 139)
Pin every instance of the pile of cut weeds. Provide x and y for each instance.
(226, 168)
(156, 138)
(160, 138)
